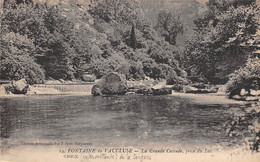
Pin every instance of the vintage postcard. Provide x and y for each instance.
(129, 81)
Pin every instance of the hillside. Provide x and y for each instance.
(75, 38)
(190, 10)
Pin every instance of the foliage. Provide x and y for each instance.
(121, 11)
(133, 40)
(247, 126)
(247, 77)
(98, 39)
(17, 61)
(218, 48)
(169, 24)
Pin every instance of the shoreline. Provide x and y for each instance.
(208, 98)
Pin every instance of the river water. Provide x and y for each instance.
(117, 120)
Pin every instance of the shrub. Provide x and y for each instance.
(245, 78)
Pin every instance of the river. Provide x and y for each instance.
(131, 120)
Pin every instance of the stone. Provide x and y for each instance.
(199, 85)
(145, 90)
(244, 92)
(189, 89)
(62, 81)
(234, 92)
(255, 92)
(111, 84)
(17, 87)
(88, 77)
(252, 98)
(130, 93)
(238, 97)
(20, 85)
(162, 91)
(96, 90)
(178, 88)
(171, 81)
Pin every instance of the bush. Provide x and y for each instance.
(245, 78)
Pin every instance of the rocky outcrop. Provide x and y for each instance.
(17, 87)
(111, 84)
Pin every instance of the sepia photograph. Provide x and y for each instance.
(129, 80)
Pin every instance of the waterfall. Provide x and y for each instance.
(67, 87)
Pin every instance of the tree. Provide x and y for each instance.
(133, 41)
(218, 48)
(121, 11)
(170, 25)
(17, 61)
(50, 33)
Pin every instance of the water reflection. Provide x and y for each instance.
(129, 120)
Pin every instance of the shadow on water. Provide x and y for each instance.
(130, 120)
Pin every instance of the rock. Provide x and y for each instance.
(96, 90)
(205, 91)
(157, 86)
(130, 93)
(17, 87)
(168, 86)
(189, 89)
(133, 90)
(88, 77)
(171, 81)
(255, 92)
(234, 92)
(111, 84)
(2, 90)
(199, 85)
(244, 92)
(20, 86)
(238, 97)
(145, 90)
(162, 91)
(178, 88)
(62, 81)
(252, 98)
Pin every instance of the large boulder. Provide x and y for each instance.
(111, 84)
(17, 87)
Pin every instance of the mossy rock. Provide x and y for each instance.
(111, 84)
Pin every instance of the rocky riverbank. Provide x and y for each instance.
(115, 84)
